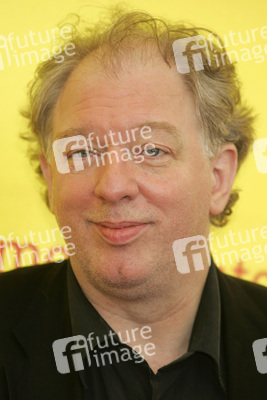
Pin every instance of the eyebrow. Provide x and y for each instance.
(169, 129)
(80, 130)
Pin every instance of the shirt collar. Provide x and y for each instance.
(206, 332)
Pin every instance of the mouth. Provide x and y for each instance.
(120, 233)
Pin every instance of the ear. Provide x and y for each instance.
(47, 173)
(224, 167)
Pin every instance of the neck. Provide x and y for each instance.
(168, 316)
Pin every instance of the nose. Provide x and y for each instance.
(116, 180)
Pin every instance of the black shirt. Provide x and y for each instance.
(116, 372)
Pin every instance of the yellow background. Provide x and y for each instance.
(22, 208)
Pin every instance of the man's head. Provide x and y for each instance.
(121, 78)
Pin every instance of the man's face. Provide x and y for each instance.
(125, 216)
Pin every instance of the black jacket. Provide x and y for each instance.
(34, 312)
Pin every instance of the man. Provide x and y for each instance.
(140, 271)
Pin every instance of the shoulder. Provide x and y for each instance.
(247, 287)
(19, 287)
(26, 277)
(247, 296)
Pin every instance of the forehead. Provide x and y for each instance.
(139, 91)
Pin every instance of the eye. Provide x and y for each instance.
(153, 152)
(82, 153)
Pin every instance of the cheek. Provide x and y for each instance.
(186, 199)
(70, 193)
(178, 188)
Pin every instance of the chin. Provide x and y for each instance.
(109, 271)
(123, 276)
(116, 275)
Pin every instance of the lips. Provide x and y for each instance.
(120, 232)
